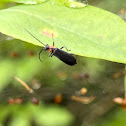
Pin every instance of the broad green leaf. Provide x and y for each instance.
(88, 31)
(25, 1)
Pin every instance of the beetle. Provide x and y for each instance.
(65, 57)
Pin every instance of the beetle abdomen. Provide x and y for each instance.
(64, 56)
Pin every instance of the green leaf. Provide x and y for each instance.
(74, 4)
(88, 31)
(25, 1)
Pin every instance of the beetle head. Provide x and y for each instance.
(47, 47)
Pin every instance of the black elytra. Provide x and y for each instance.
(65, 57)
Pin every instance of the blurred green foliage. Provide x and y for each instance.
(21, 59)
(40, 115)
(18, 58)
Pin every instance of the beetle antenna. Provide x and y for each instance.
(34, 36)
(53, 39)
(39, 54)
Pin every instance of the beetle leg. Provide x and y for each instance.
(51, 54)
(65, 48)
(39, 54)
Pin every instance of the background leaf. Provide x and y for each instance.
(25, 1)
